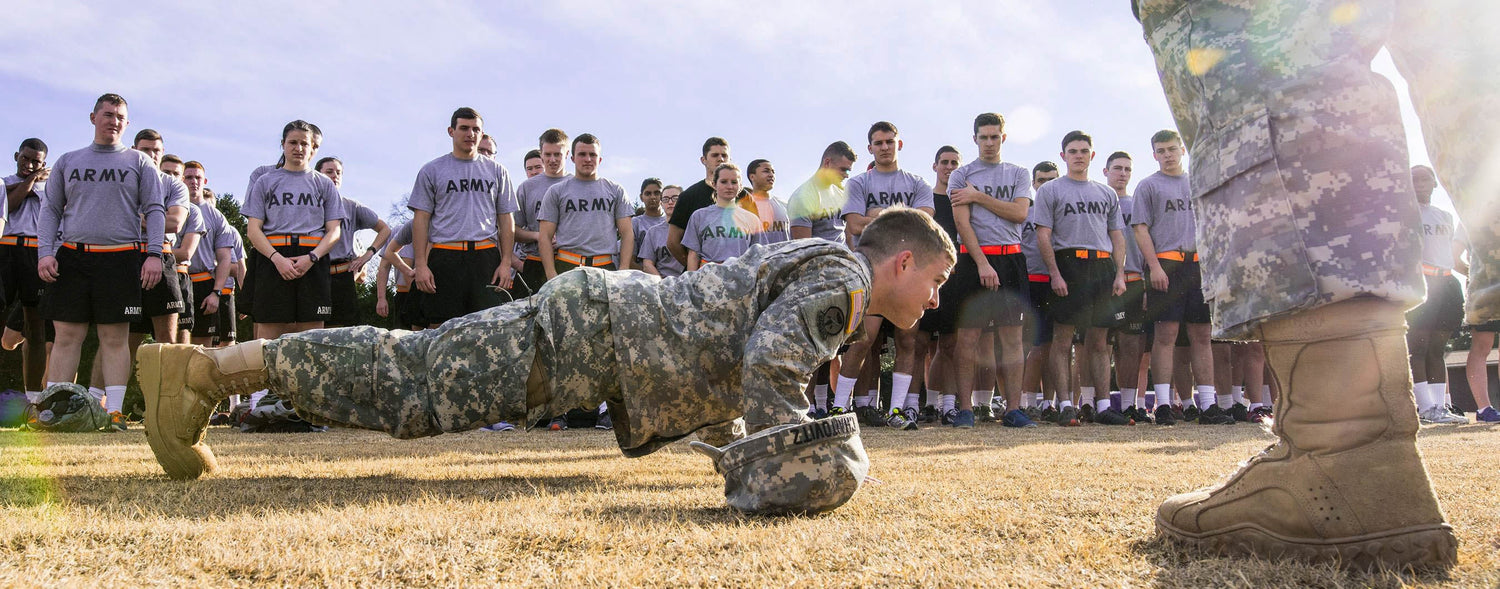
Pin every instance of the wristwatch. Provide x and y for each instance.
(312, 257)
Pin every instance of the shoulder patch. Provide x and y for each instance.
(831, 321)
(856, 310)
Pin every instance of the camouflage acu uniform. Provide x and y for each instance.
(735, 340)
(1299, 159)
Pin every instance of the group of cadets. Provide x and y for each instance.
(1072, 299)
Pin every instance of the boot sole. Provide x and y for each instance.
(178, 461)
(1419, 548)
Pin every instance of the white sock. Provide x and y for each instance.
(603, 407)
(866, 399)
(841, 391)
(1164, 393)
(1254, 406)
(1225, 401)
(1265, 392)
(950, 402)
(1237, 394)
(256, 396)
(234, 401)
(1066, 404)
(97, 392)
(934, 398)
(1127, 398)
(1114, 401)
(1439, 391)
(900, 384)
(820, 396)
(114, 398)
(1041, 400)
(1204, 400)
(981, 398)
(33, 396)
(1149, 401)
(1424, 399)
(1086, 395)
(1028, 399)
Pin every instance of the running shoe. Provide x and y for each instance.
(1489, 415)
(950, 416)
(1068, 417)
(1139, 414)
(116, 422)
(896, 419)
(1086, 413)
(1112, 417)
(1441, 416)
(964, 420)
(604, 422)
(1190, 413)
(1261, 414)
(1239, 412)
(1050, 414)
(558, 424)
(1016, 418)
(499, 427)
(1165, 415)
(982, 413)
(929, 414)
(1215, 416)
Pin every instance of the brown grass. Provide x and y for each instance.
(991, 507)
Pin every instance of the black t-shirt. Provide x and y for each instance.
(942, 212)
(695, 197)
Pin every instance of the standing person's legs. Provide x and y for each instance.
(1476, 369)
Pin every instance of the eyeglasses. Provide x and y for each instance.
(669, 199)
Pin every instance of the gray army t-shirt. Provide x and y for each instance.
(654, 247)
(1132, 247)
(777, 230)
(463, 196)
(355, 217)
(1437, 237)
(1029, 246)
(1001, 180)
(293, 203)
(875, 189)
(529, 202)
(719, 233)
(585, 212)
(23, 220)
(640, 224)
(1164, 204)
(216, 234)
(817, 206)
(1080, 213)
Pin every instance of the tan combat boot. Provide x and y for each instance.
(182, 385)
(1344, 483)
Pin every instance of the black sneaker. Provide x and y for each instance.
(870, 416)
(928, 414)
(1112, 417)
(1177, 413)
(1033, 413)
(950, 416)
(1068, 417)
(1215, 416)
(1190, 413)
(558, 423)
(1139, 414)
(1239, 412)
(1165, 416)
(1086, 413)
(1049, 414)
(604, 422)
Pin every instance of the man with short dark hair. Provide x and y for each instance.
(1035, 381)
(552, 155)
(696, 196)
(933, 369)
(18, 256)
(460, 204)
(814, 209)
(487, 146)
(162, 303)
(532, 163)
(655, 257)
(89, 242)
(211, 264)
(775, 223)
(1079, 233)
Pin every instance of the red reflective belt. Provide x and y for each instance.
(994, 250)
(1040, 277)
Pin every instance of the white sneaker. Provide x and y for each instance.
(1441, 415)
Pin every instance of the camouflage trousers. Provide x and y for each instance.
(1299, 163)
(518, 362)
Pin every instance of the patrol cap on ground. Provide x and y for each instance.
(793, 469)
(68, 407)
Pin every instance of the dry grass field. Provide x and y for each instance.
(988, 507)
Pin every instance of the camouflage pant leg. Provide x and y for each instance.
(470, 372)
(1299, 159)
(574, 345)
(1443, 49)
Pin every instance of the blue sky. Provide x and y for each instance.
(653, 79)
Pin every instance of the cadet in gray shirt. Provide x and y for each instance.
(463, 232)
(878, 189)
(651, 194)
(1078, 226)
(1432, 323)
(655, 257)
(587, 217)
(528, 219)
(346, 264)
(89, 241)
(714, 234)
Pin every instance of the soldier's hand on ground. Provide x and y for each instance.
(46, 269)
(422, 277)
(150, 272)
(988, 277)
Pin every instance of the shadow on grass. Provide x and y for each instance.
(1179, 566)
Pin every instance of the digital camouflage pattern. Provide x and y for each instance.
(1299, 159)
(794, 468)
(731, 341)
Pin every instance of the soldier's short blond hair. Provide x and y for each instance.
(902, 228)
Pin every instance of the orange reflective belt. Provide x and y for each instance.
(994, 250)
(226, 291)
(18, 240)
(91, 248)
(1088, 253)
(1132, 276)
(1432, 270)
(339, 268)
(1177, 256)
(182, 268)
(533, 258)
(201, 276)
(580, 259)
(403, 287)
(302, 240)
(463, 246)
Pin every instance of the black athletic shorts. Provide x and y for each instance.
(100, 287)
(244, 292)
(163, 299)
(1487, 327)
(978, 307)
(189, 314)
(1090, 302)
(341, 290)
(944, 319)
(1038, 320)
(304, 299)
(1130, 313)
(205, 325)
(229, 319)
(16, 321)
(18, 275)
(463, 284)
(1444, 308)
(409, 309)
(1183, 299)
